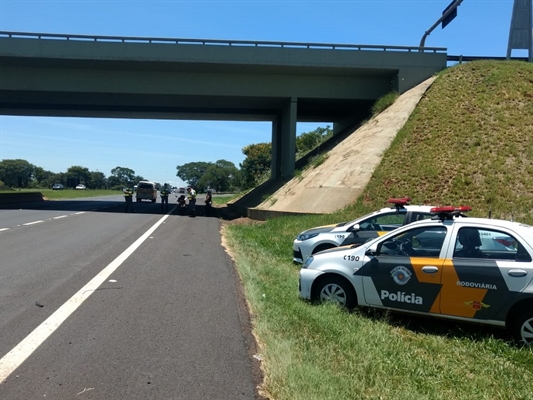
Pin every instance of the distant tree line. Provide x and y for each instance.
(221, 175)
(22, 174)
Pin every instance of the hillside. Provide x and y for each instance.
(468, 141)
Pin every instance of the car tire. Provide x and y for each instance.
(336, 289)
(522, 328)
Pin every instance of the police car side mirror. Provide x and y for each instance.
(372, 250)
(355, 228)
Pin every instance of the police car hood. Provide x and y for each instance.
(319, 229)
(340, 248)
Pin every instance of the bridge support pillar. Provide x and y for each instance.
(284, 141)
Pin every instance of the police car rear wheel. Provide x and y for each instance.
(523, 328)
(337, 290)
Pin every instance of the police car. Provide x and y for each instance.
(359, 230)
(469, 269)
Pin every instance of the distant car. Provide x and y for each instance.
(58, 186)
(469, 269)
(146, 191)
(80, 187)
(359, 230)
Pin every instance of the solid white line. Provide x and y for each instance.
(61, 216)
(4, 229)
(31, 223)
(24, 349)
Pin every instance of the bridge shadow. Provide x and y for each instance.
(118, 206)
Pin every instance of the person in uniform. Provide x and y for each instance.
(191, 195)
(182, 205)
(208, 202)
(164, 193)
(128, 196)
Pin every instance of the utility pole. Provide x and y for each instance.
(521, 32)
(448, 14)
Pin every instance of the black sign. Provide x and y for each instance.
(450, 16)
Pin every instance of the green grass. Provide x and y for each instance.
(223, 199)
(68, 193)
(470, 141)
(384, 102)
(321, 352)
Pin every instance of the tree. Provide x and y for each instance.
(77, 175)
(307, 141)
(97, 180)
(16, 173)
(121, 177)
(222, 176)
(256, 166)
(192, 172)
(43, 178)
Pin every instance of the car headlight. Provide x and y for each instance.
(308, 262)
(305, 236)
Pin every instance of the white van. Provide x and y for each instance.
(146, 191)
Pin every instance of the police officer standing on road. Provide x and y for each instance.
(128, 196)
(165, 191)
(208, 202)
(191, 194)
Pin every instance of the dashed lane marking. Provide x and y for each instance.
(33, 223)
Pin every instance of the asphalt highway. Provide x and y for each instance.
(96, 303)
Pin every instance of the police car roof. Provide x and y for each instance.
(522, 229)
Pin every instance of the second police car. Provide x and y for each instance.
(359, 230)
(469, 269)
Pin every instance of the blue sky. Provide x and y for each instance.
(153, 148)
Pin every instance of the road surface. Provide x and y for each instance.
(96, 303)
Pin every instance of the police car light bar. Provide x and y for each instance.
(399, 201)
(450, 209)
(448, 212)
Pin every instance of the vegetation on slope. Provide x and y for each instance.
(470, 141)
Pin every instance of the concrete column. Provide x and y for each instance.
(288, 138)
(275, 165)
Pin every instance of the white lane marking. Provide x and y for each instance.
(34, 222)
(30, 343)
(81, 212)
(61, 216)
(4, 229)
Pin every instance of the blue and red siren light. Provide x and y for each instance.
(401, 201)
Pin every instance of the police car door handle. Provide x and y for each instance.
(517, 272)
(430, 269)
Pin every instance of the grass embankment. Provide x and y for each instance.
(470, 141)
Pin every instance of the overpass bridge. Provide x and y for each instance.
(162, 78)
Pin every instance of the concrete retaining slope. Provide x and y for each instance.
(338, 181)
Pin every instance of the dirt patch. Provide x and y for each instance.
(242, 221)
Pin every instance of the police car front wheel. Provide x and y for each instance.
(336, 289)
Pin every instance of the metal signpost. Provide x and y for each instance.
(448, 15)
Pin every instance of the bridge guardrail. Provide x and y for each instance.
(328, 46)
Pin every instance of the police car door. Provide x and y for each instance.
(478, 283)
(406, 270)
